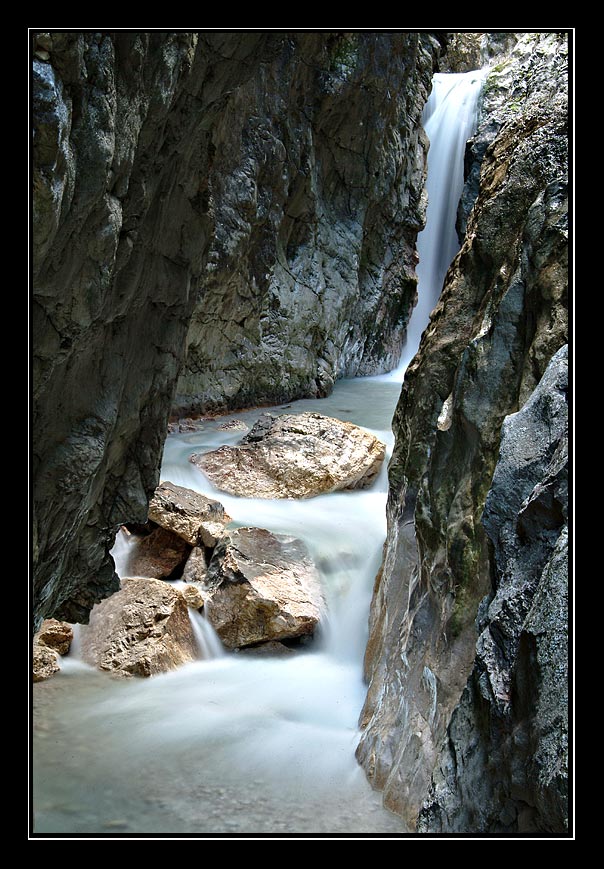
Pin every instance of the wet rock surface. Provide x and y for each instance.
(503, 766)
(52, 640)
(157, 555)
(141, 630)
(190, 515)
(295, 456)
(262, 587)
(501, 317)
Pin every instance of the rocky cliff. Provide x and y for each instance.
(315, 186)
(500, 319)
(267, 185)
(503, 765)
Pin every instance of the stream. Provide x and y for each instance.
(241, 743)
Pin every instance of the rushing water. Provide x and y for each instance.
(236, 743)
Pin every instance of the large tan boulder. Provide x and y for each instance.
(188, 514)
(295, 456)
(262, 586)
(141, 630)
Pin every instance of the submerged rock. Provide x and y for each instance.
(234, 425)
(141, 630)
(262, 586)
(188, 514)
(295, 456)
(157, 555)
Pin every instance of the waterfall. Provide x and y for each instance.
(208, 641)
(449, 120)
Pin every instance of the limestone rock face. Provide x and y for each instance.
(295, 456)
(501, 317)
(503, 766)
(179, 175)
(316, 188)
(141, 630)
(261, 587)
(188, 514)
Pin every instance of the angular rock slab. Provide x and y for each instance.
(260, 587)
(141, 630)
(188, 514)
(295, 456)
(157, 555)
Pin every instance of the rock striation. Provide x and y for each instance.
(295, 456)
(501, 317)
(179, 177)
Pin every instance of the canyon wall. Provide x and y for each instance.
(315, 186)
(448, 559)
(255, 196)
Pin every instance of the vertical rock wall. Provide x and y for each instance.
(501, 317)
(315, 186)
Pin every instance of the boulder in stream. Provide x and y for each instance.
(262, 586)
(52, 640)
(295, 456)
(188, 514)
(141, 630)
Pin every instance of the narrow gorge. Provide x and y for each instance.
(300, 434)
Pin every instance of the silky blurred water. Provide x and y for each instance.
(237, 743)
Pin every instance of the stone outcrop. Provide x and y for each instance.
(501, 317)
(190, 515)
(278, 175)
(262, 587)
(503, 766)
(295, 456)
(141, 630)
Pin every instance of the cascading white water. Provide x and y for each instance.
(449, 119)
(239, 743)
